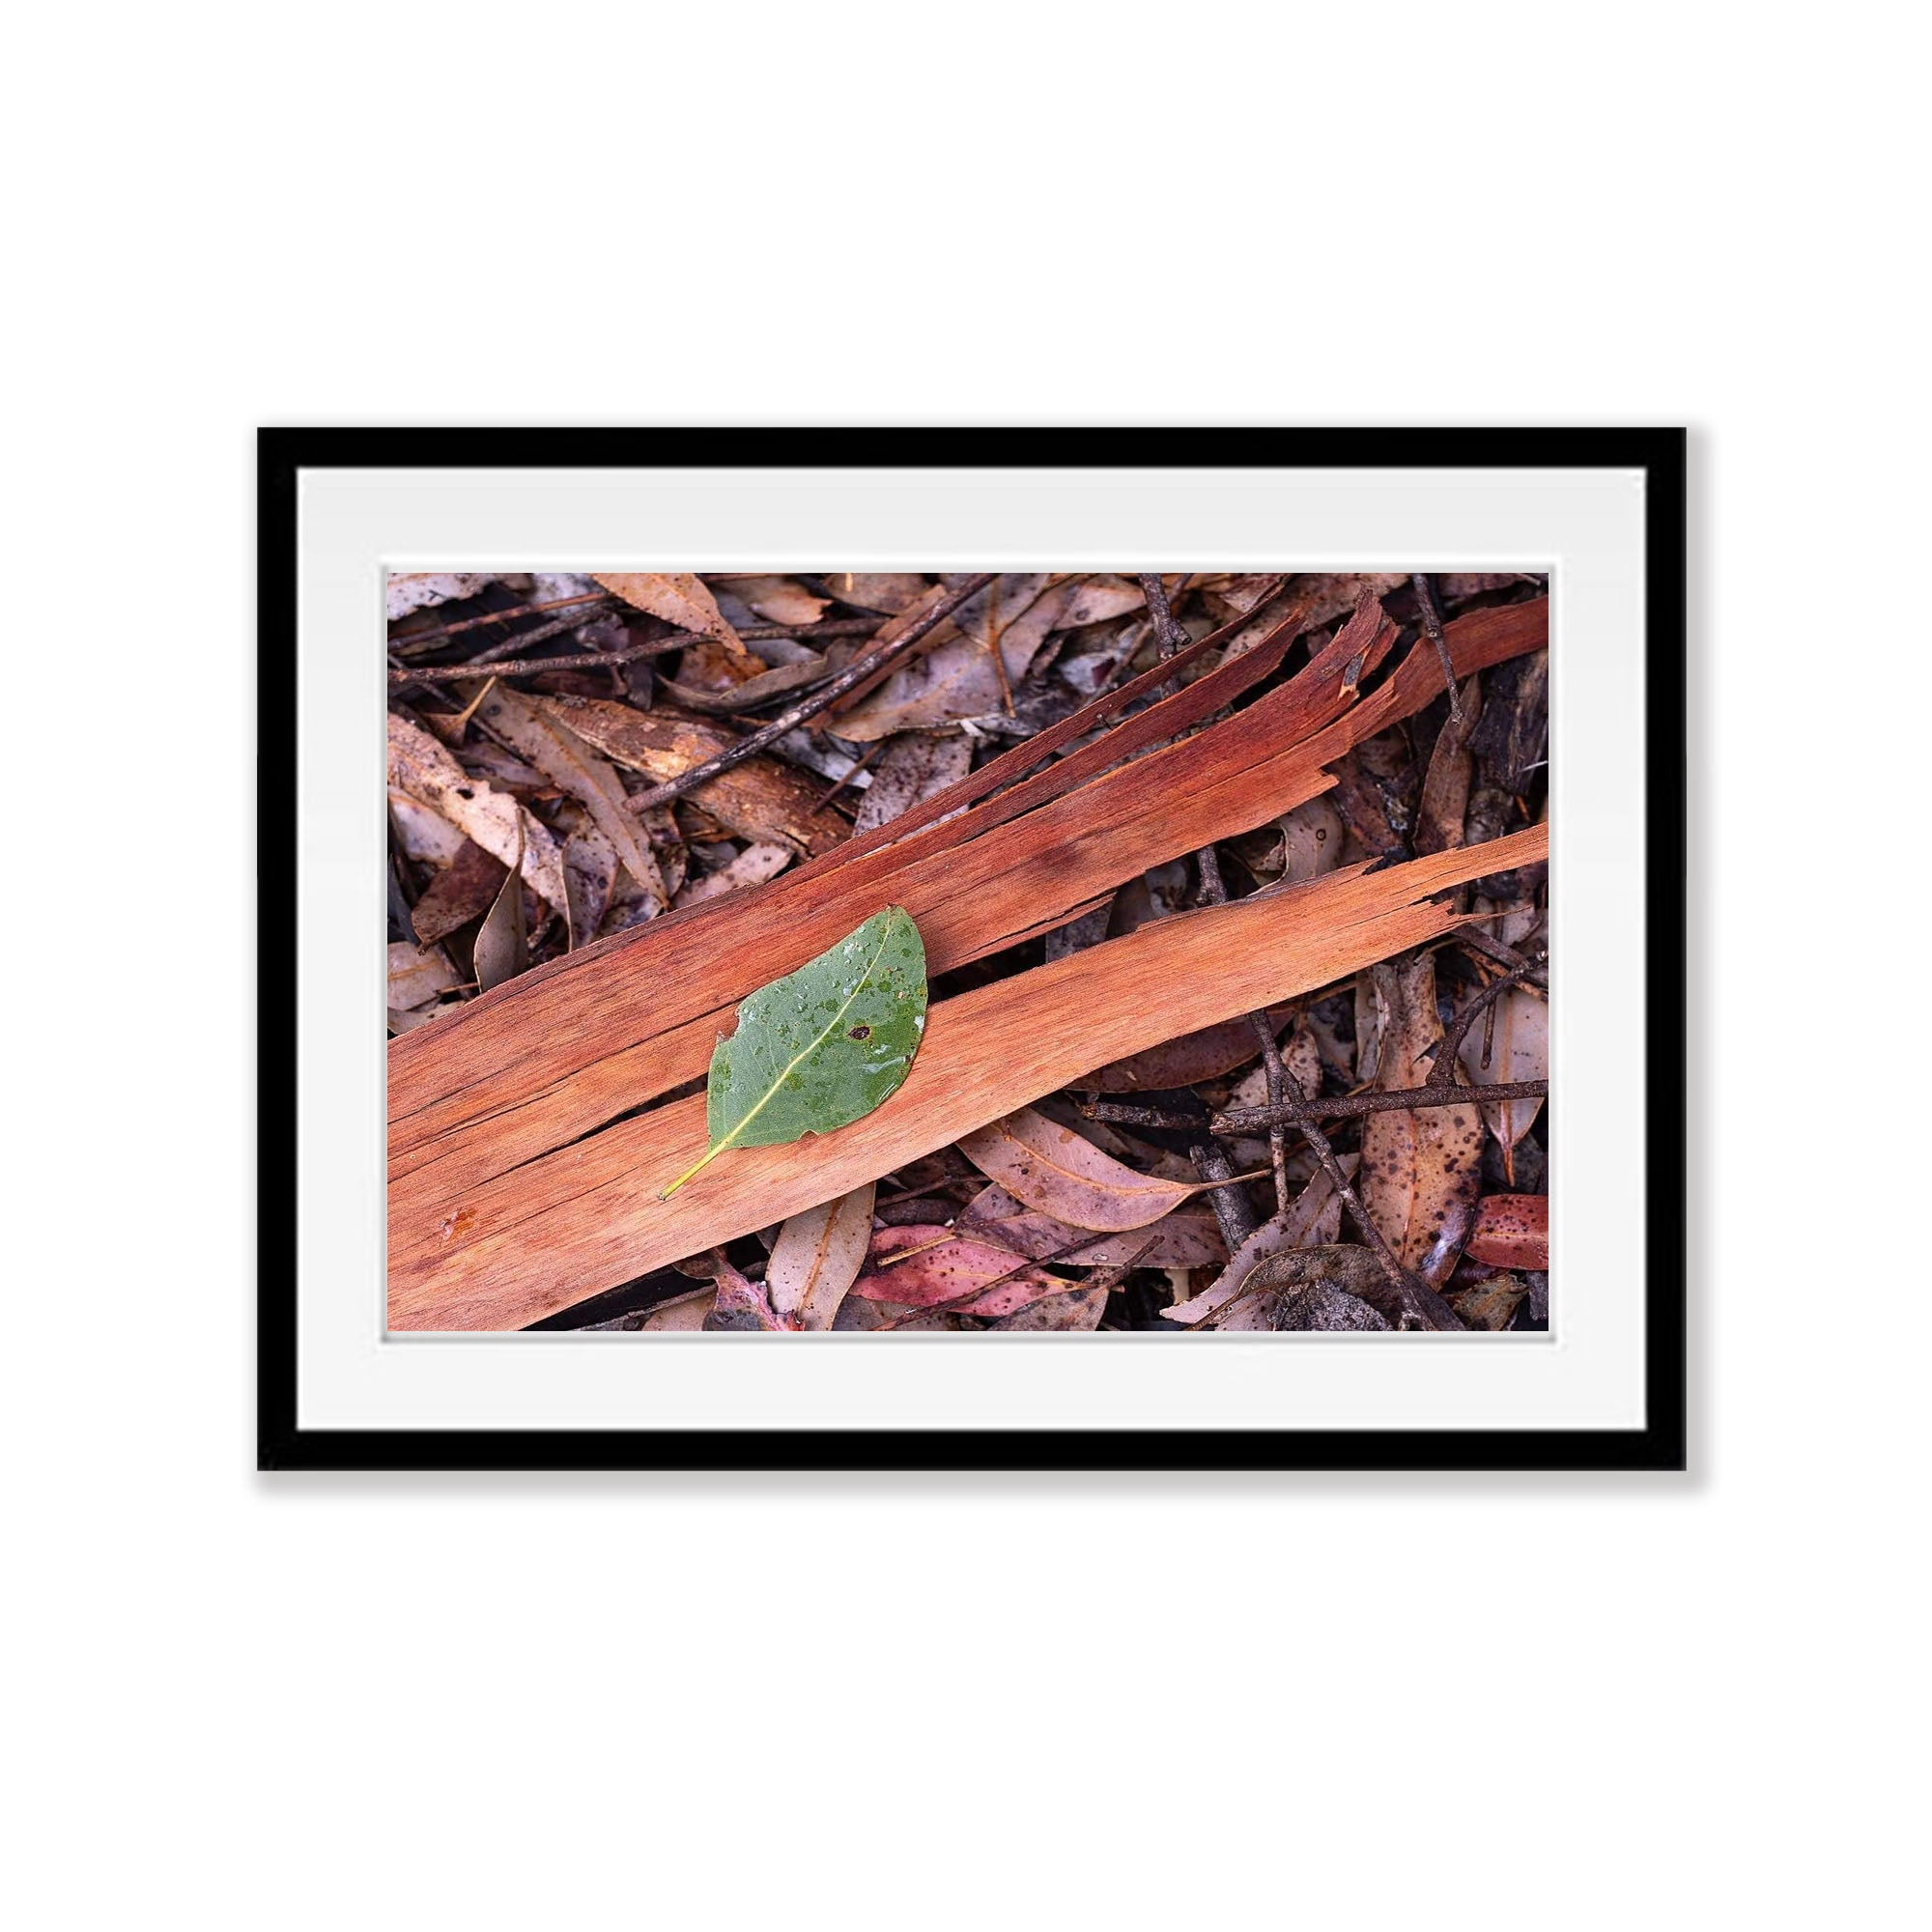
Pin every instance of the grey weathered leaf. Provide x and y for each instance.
(752, 866)
(503, 945)
(758, 689)
(424, 770)
(539, 735)
(416, 974)
(916, 764)
(822, 1046)
(589, 875)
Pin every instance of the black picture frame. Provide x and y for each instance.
(1660, 1444)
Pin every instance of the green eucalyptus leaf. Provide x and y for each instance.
(821, 1047)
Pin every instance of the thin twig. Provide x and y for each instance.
(434, 633)
(1432, 622)
(1476, 940)
(1339, 1107)
(1442, 1055)
(1350, 1107)
(1166, 626)
(487, 666)
(861, 667)
(838, 785)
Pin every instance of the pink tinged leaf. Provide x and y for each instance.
(1512, 1230)
(1053, 1170)
(1185, 1238)
(923, 1266)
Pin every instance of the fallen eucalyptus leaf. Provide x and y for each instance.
(822, 1046)
(416, 974)
(1057, 1172)
(536, 733)
(465, 889)
(677, 597)
(817, 1257)
(420, 767)
(502, 943)
(927, 1265)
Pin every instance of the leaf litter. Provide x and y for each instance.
(514, 841)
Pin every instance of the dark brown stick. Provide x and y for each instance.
(862, 666)
(486, 666)
(1233, 1210)
(1432, 622)
(1341, 1107)
(1166, 626)
(1442, 1055)
(434, 633)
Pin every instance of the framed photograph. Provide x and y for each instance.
(992, 949)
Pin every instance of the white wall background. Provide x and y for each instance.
(1492, 1703)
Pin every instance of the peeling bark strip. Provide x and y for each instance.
(562, 1051)
(565, 1226)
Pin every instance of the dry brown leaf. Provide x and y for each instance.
(679, 598)
(1512, 1230)
(502, 941)
(1421, 1169)
(760, 799)
(465, 889)
(1302, 1057)
(817, 1257)
(1206, 1055)
(1311, 840)
(1313, 1218)
(780, 600)
(1328, 597)
(1321, 1288)
(1445, 786)
(889, 592)
(682, 1314)
(1055, 1170)
(425, 835)
(1491, 1304)
(748, 693)
(1077, 1312)
(1099, 598)
(422, 589)
(536, 730)
(421, 768)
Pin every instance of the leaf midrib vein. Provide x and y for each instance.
(811, 1046)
